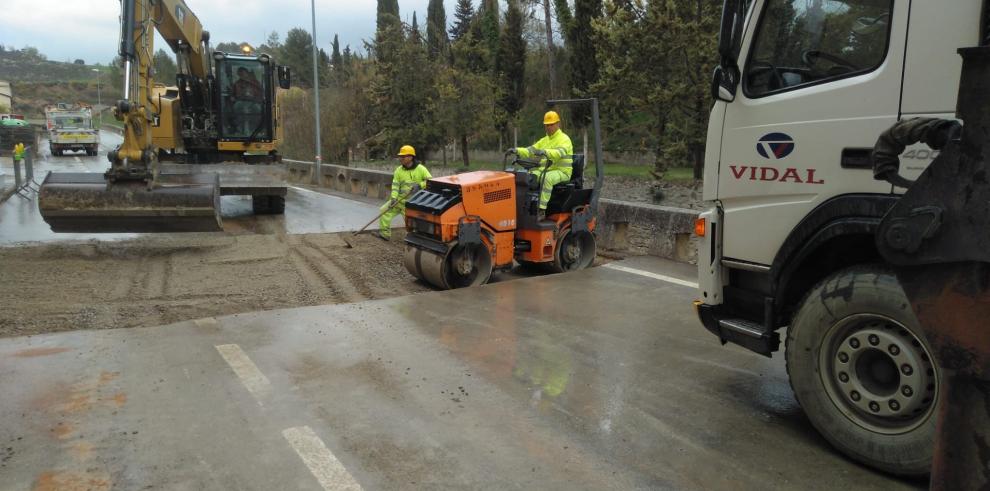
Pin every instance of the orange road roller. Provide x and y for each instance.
(461, 228)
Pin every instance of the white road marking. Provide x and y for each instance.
(321, 462)
(77, 159)
(668, 279)
(207, 322)
(252, 378)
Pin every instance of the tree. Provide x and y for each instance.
(655, 61)
(463, 17)
(510, 67)
(228, 47)
(436, 29)
(414, 31)
(297, 53)
(165, 69)
(583, 59)
(488, 25)
(272, 46)
(462, 105)
(388, 15)
(79, 61)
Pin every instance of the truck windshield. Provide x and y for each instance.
(244, 89)
(801, 42)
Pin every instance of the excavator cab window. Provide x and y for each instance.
(245, 96)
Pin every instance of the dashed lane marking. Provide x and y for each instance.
(252, 378)
(668, 279)
(321, 462)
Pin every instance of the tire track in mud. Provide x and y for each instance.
(346, 267)
(330, 271)
(311, 275)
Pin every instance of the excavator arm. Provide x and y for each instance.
(133, 195)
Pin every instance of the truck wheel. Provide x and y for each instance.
(862, 370)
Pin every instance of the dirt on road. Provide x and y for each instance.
(163, 279)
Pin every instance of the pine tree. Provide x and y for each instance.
(436, 29)
(463, 16)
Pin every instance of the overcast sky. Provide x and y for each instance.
(88, 29)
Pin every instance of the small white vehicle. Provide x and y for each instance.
(70, 128)
(803, 91)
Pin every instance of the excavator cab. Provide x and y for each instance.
(223, 108)
(246, 87)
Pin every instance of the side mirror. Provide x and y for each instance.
(723, 85)
(284, 76)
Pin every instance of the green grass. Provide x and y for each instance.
(111, 121)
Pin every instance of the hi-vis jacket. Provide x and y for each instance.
(558, 148)
(403, 179)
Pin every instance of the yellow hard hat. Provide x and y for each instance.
(551, 117)
(407, 150)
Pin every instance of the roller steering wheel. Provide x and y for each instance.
(525, 164)
(811, 56)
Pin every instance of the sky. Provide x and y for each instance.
(89, 29)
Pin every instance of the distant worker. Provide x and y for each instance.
(19, 152)
(555, 149)
(248, 96)
(409, 177)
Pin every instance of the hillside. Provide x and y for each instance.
(37, 81)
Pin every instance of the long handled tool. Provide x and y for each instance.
(386, 210)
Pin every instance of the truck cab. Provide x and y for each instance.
(802, 92)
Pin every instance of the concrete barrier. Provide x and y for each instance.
(623, 226)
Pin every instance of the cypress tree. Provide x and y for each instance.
(436, 28)
(510, 65)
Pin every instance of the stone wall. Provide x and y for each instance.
(623, 226)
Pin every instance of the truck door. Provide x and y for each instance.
(820, 80)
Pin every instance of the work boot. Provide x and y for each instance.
(383, 237)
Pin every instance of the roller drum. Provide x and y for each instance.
(84, 202)
(426, 265)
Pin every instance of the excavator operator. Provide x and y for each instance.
(556, 152)
(248, 97)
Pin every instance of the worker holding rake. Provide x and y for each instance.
(409, 177)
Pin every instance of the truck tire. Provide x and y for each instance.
(268, 205)
(863, 372)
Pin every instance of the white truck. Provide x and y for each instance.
(803, 90)
(70, 128)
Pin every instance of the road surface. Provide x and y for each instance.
(600, 379)
(306, 211)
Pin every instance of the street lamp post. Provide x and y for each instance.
(316, 93)
(99, 100)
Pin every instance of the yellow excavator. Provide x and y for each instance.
(222, 108)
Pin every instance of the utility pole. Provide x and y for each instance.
(316, 94)
(99, 100)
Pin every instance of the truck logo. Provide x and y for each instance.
(775, 146)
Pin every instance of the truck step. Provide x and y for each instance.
(749, 334)
(742, 326)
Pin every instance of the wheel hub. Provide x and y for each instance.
(880, 372)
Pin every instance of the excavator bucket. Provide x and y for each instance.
(86, 202)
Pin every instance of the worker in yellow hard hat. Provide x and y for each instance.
(556, 156)
(408, 178)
